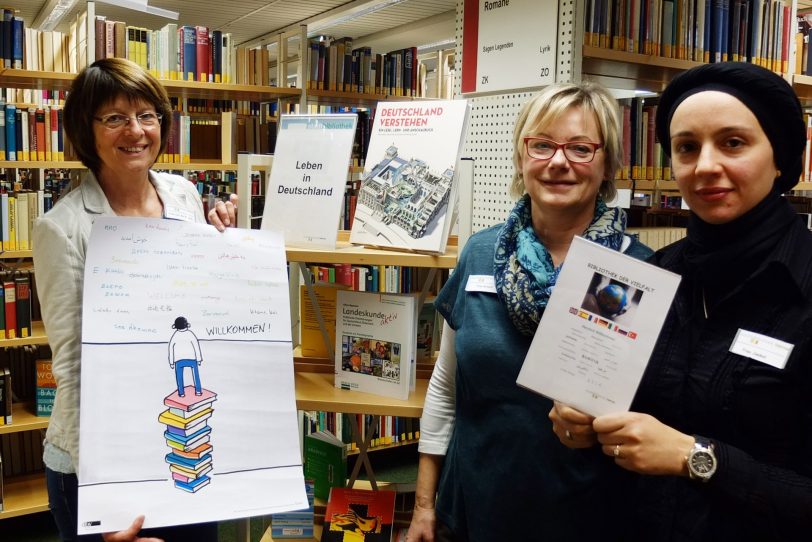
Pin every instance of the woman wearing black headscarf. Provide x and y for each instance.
(721, 427)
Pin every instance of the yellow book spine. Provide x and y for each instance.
(12, 227)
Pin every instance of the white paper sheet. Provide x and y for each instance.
(140, 276)
(598, 330)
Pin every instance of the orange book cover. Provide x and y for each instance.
(359, 515)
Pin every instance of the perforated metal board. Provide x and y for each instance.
(490, 128)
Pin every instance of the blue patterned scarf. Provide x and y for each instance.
(523, 268)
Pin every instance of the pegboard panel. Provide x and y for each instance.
(490, 125)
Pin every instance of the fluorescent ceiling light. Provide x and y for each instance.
(143, 7)
(316, 26)
(52, 13)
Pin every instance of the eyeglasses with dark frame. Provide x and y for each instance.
(579, 152)
(114, 121)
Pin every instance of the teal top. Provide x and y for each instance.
(506, 476)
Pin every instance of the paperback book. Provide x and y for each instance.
(359, 515)
(308, 178)
(325, 459)
(598, 330)
(375, 342)
(409, 186)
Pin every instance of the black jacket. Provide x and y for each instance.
(759, 417)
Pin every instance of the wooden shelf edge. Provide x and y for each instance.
(25, 419)
(37, 337)
(24, 495)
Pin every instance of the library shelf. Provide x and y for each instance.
(631, 71)
(37, 337)
(25, 419)
(317, 391)
(190, 166)
(186, 89)
(352, 254)
(35, 79)
(42, 164)
(24, 495)
(15, 254)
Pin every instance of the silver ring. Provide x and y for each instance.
(617, 450)
(569, 435)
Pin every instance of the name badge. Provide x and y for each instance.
(178, 213)
(481, 283)
(761, 348)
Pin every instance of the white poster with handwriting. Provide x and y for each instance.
(598, 330)
(508, 44)
(188, 405)
(305, 195)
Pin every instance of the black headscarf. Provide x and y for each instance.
(766, 94)
(720, 256)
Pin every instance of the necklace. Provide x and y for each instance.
(704, 304)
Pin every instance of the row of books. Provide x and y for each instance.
(17, 297)
(643, 156)
(18, 211)
(11, 39)
(389, 429)
(21, 453)
(335, 65)
(34, 134)
(395, 279)
(39, 98)
(757, 31)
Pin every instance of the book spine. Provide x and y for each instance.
(22, 292)
(10, 303)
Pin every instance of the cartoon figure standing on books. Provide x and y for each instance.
(184, 351)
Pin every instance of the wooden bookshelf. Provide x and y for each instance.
(317, 391)
(24, 495)
(15, 254)
(25, 419)
(37, 337)
(208, 166)
(42, 164)
(186, 89)
(352, 254)
(631, 71)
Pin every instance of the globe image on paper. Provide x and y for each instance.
(612, 299)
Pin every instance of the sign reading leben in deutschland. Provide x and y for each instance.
(508, 44)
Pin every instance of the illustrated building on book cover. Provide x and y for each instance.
(357, 515)
(408, 189)
(375, 342)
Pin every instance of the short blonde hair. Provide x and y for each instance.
(549, 104)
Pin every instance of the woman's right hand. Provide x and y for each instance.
(424, 522)
(572, 427)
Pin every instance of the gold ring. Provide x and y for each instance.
(617, 450)
(569, 435)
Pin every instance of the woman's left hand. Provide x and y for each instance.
(643, 444)
(224, 213)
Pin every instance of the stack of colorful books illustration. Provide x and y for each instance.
(187, 435)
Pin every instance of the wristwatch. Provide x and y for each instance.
(701, 460)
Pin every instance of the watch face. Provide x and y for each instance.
(702, 463)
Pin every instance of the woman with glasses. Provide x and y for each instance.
(117, 117)
(721, 426)
(485, 443)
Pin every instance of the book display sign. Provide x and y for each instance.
(409, 185)
(375, 342)
(306, 189)
(508, 44)
(598, 330)
(188, 408)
